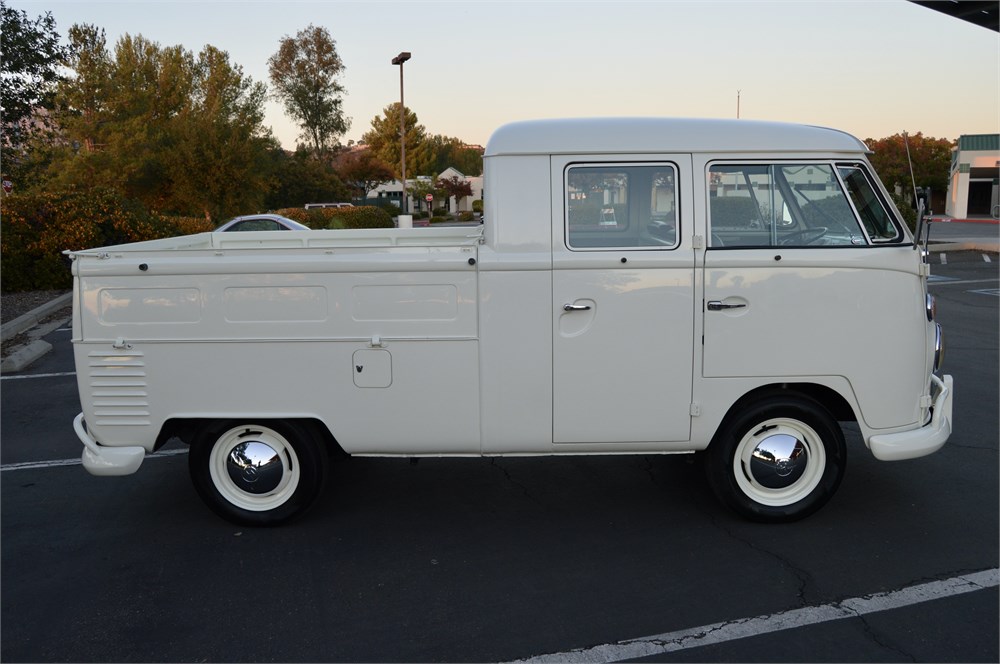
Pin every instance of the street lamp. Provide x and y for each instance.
(399, 60)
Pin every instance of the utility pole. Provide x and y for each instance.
(399, 60)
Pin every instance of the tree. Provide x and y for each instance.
(304, 73)
(931, 162)
(220, 163)
(457, 187)
(28, 70)
(363, 171)
(300, 179)
(183, 135)
(419, 190)
(383, 139)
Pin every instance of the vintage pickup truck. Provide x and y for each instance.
(639, 286)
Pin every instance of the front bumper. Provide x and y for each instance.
(925, 440)
(107, 461)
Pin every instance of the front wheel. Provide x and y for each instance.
(258, 474)
(780, 459)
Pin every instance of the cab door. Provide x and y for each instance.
(622, 300)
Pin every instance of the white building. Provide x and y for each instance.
(975, 175)
(393, 192)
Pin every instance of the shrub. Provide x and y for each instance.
(37, 227)
(364, 216)
(477, 205)
(440, 212)
(465, 216)
(188, 225)
(437, 220)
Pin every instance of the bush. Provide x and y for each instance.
(477, 205)
(38, 227)
(188, 225)
(465, 216)
(440, 212)
(438, 220)
(364, 216)
(393, 209)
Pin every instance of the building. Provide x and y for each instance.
(975, 177)
(392, 192)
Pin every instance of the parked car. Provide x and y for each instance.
(310, 206)
(261, 222)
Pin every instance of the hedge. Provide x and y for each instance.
(35, 228)
(363, 216)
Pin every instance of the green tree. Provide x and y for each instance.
(931, 159)
(383, 140)
(363, 171)
(304, 73)
(220, 164)
(299, 179)
(29, 70)
(419, 190)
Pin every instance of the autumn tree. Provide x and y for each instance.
(457, 187)
(363, 171)
(304, 74)
(931, 159)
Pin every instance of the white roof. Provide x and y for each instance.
(665, 135)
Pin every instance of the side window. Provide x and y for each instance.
(876, 219)
(770, 205)
(621, 206)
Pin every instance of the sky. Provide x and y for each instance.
(873, 68)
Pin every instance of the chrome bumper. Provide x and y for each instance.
(107, 461)
(925, 440)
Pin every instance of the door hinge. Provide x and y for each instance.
(698, 242)
(695, 410)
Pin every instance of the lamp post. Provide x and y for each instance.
(399, 60)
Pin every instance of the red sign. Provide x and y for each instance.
(429, 197)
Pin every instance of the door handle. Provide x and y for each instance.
(576, 307)
(717, 305)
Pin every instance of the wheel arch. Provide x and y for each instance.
(824, 396)
(187, 429)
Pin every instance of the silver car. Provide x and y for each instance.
(261, 222)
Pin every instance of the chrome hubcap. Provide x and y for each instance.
(254, 467)
(778, 461)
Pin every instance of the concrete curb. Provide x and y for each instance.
(989, 247)
(32, 318)
(24, 356)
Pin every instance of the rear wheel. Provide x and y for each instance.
(780, 459)
(258, 474)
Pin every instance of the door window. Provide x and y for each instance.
(621, 206)
(770, 205)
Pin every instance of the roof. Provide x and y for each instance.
(983, 14)
(979, 142)
(665, 135)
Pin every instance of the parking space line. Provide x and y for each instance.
(746, 627)
(56, 463)
(43, 375)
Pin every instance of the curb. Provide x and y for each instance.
(31, 319)
(989, 247)
(24, 356)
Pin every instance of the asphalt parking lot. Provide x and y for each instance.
(499, 560)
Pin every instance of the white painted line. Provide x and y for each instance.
(948, 281)
(747, 627)
(944, 258)
(986, 257)
(56, 463)
(45, 375)
(986, 291)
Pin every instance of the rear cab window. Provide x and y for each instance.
(621, 206)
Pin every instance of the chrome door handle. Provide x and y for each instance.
(717, 305)
(576, 307)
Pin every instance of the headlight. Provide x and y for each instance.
(931, 307)
(938, 348)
